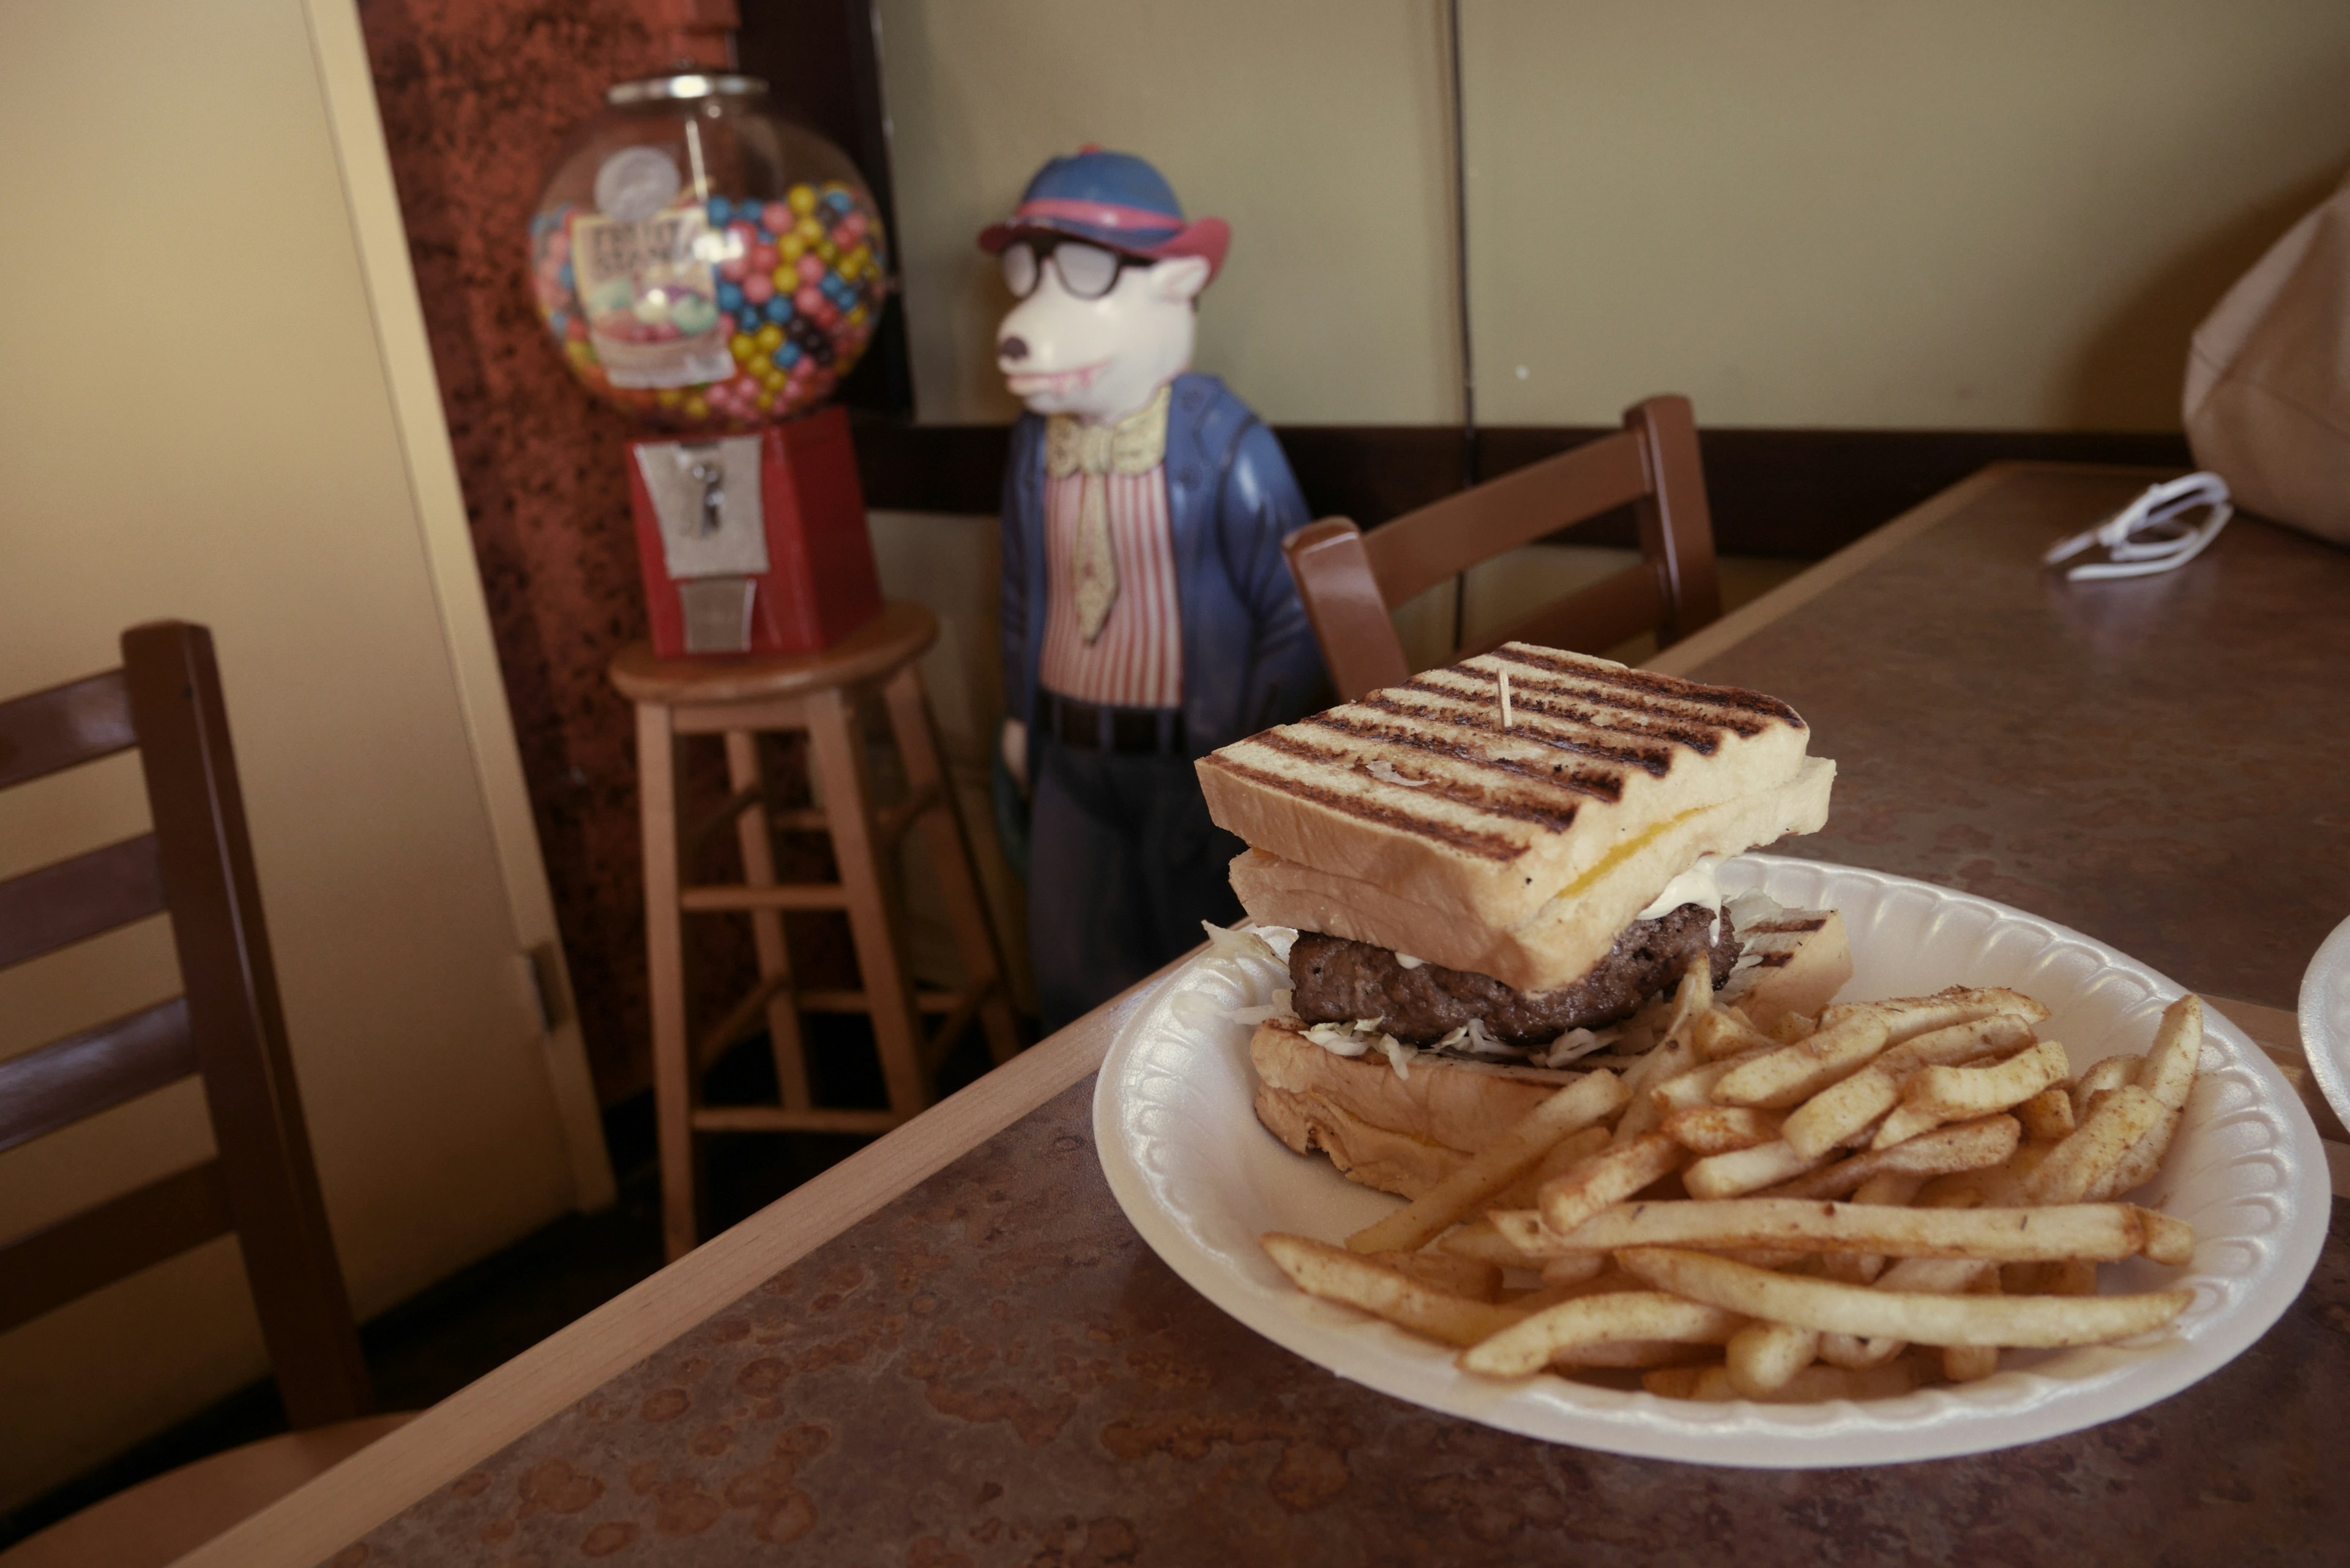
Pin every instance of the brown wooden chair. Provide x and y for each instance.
(196, 866)
(1352, 581)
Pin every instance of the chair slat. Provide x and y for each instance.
(1592, 619)
(63, 727)
(1421, 548)
(94, 1071)
(44, 1270)
(1359, 646)
(76, 899)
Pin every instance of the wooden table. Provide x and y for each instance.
(950, 1349)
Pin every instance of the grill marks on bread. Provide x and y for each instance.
(1582, 730)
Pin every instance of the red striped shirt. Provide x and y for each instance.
(1137, 660)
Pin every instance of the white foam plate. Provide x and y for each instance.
(1201, 1181)
(2325, 1018)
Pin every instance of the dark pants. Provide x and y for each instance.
(1123, 867)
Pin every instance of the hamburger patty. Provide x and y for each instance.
(1337, 981)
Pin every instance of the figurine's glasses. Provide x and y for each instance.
(1087, 271)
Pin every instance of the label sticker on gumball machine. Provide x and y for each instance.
(650, 296)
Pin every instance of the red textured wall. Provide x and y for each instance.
(476, 96)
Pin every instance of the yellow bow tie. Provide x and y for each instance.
(1135, 444)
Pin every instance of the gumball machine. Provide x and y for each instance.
(714, 271)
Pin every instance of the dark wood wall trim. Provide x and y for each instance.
(1801, 494)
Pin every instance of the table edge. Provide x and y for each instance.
(328, 1513)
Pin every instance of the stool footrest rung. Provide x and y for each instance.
(775, 1119)
(925, 1001)
(733, 898)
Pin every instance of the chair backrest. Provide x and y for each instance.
(1352, 581)
(196, 866)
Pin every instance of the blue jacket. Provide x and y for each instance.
(1249, 656)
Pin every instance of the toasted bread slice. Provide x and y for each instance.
(1803, 960)
(1419, 791)
(1564, 937)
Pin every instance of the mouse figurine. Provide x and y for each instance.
(1150, 616)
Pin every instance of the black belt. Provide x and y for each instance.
(1146, 732)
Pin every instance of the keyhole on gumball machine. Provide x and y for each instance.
(706, 465)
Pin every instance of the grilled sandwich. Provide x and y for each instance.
(1493, 869)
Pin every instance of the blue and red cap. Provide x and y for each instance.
(1113, 200)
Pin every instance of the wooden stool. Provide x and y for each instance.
(738, 698)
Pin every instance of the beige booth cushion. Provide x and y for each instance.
(160, 1520)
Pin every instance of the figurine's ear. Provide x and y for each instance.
(1179, 278)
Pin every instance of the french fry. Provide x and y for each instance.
(2043, 1321)
(1470, 1278)
(1334, 1273)
(1725, 1032)
(1891, 1187)
(2108, 1232)
(1937, 1276)
(2047, 1116)
(1675, 1382)
(1634, 1353)
(1974, 1362)
(1933, 1096)
(1763, 1357)
(1858, 1355)
(1531, 1344)
(1674, 1054)
(2064, 1277)
(1492, 1168)
(1963, 1146)
(1747, 1169)
(1912, 1016)
(1695, 1088)
(2168, 1071)
(1581, 1268)
(1563, 1156)
(1970, 1363)
(1481, 1240)
(2139, 1167)
(1793, 1027)
(2092, 1152)
(1788, 1077)
(2102, 1078)
(2169, 1241)
(1842, 1110)
(2002, 1186)
(1721, 1130)
(1813, 1385)
(1608, 1178)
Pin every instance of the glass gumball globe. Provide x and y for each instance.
(703, 264)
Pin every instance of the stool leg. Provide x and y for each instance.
(753, 830)
(665, 958)
(838, 752)
(942, 831)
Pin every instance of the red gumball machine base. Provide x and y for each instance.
(753, 545)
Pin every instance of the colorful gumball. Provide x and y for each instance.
(697, 308)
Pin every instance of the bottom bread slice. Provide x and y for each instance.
(1398, 1135)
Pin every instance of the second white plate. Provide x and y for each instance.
(1201, 1182)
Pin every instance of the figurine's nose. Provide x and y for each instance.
(1013, 349)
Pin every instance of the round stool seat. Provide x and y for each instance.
(899, 633)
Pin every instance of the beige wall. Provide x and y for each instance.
(1842, 213)
(208, 413)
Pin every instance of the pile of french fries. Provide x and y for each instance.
(1841, 1208)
